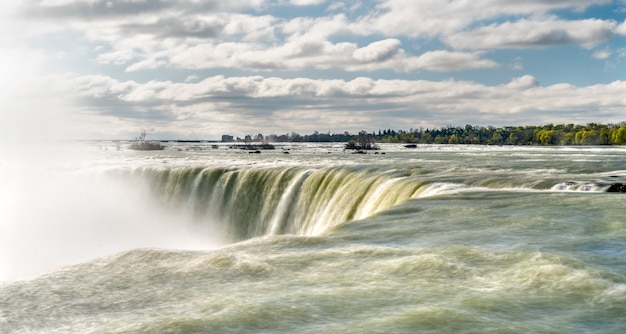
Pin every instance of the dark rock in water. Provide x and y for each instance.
(255, 152)
(253, 147)
(617, 188)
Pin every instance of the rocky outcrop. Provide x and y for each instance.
(142, 145)
(617, 188)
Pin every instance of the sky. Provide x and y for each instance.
(191, 69)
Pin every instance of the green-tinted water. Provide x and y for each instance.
(461, 239)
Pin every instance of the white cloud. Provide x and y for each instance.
(530, 33)
(443, 17)
(186, 34)
(118, 57)
(336, 6)
(446, 61)
(319, 54)
(621, 29)
(378, 51)
(250, 38)
(307, 2)
(523, 82)
(192, 78)
(601, 54)
(56, 3)
(368, 100)
(516, 64)
(146, 64)
(108, 8)
(345, 6)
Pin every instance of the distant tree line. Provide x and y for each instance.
(315, 137)
(550, 134)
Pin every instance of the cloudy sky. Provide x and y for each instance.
(192, 69)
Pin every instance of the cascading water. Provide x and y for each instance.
(457, 239)
(288, 200)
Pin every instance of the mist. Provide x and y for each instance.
(52, 215)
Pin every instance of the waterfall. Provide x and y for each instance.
(254, 202)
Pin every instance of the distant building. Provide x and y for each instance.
(227, 139)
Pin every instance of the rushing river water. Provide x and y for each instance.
(95, 238)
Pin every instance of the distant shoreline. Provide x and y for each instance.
(591, 134)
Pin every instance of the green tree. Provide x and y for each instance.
(567, 138)
(546, 137)
(513, 139)
(454, 139)
(426, 138)
(496, 139)
(619, 137)
(604, 137)
(587, 137)
(364, 141)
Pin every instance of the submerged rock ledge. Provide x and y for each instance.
(617, 188)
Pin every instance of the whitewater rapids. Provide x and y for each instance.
(95, 238)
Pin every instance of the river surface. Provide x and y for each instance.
(308, 238)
